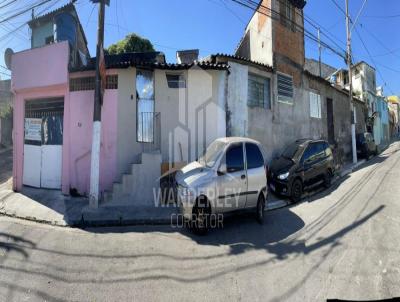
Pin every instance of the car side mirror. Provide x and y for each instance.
(222, 170)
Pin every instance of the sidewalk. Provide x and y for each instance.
(51, 207)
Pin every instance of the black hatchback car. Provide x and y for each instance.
(366, 145)
(303, 165)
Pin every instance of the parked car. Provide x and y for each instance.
(366, 145)
(230, 176)
(302, 165)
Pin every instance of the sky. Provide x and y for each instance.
(216, 26)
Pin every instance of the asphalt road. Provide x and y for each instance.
(342, 243)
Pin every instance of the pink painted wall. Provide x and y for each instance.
(40, 67)
(81, 122)
(43, 73)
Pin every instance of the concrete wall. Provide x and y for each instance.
(256, 44)
(40, 67)
(191, 117)
(127, 147)
(285, 123)
(80, 121)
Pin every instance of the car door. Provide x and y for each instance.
(320, 161)
(308, 161)
(256, 177)
(232, 180)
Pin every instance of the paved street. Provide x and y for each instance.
(343, 243)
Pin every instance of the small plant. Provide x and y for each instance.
(6, 111)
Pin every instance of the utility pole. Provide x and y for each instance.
(319, 52)
(98, 95)
(349, 63)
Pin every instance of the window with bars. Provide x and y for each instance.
(258, 92)
(285, 88)
(315, 105)
(88, 83)
(176, 81)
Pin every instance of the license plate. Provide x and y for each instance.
(272, 187)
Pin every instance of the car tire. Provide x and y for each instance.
(260, 209)
(296, 191)
(328, 179)
(201, 217)
(376, 151)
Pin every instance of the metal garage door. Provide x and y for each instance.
(43, 143)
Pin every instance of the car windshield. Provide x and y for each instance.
(292, 151)
(212, 154)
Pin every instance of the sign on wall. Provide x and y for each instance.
(33, 129)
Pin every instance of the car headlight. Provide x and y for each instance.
(185, 191)
(283, 176)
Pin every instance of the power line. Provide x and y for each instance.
(24, 11)
(383, 17)
(379, 41)
(359, 14)
(276, 15)
(7, 4)
(372, 60)
(26, 22)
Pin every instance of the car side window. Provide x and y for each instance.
(320, 150)
(234, 158)
(254, 156)
(308, 154)
(314, 152)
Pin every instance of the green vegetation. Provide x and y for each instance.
(6, 111)
(131, 43)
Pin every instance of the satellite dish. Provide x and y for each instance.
(7, 57)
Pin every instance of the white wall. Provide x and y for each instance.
(260, 40)
(191, 117)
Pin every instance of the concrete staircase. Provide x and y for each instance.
(138, 186)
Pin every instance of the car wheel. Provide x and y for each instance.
(297, 190)
(260, 209)
(328, 179)
(200, 218)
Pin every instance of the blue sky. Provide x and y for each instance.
(217, 26)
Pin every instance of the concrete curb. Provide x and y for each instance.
(114, 218)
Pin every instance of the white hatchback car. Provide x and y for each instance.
(230, 176)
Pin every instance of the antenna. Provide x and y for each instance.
(7, 57)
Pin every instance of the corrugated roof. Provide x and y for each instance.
(146, 59)
(213, 58)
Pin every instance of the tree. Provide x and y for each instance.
(131, 43)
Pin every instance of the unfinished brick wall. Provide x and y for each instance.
(289, 40)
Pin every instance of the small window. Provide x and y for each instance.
(287, 14)
(234, 158)
(176, 81)
(315, 105)
(254, 156)
(285, 88)
(258, 92)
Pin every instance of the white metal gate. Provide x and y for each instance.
(43, 143)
